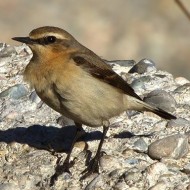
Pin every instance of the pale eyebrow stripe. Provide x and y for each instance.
(58, 36)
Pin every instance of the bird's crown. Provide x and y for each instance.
(46, 31)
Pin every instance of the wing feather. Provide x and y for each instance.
(99, 69)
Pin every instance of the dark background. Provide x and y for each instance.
(114, 29)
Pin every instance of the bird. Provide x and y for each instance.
(77, 83)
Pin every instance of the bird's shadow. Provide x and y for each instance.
(56, 139)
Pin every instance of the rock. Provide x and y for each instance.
(7, 51)
(178, 123)
(161, 99)
(145, 65)
(9, 186)
(140, 83)
(175, 146)
(95, 183)
(181, 80)
(161, 185)
(121, 185)
(186, 169)
(188, 187)
(2, 46)
(15, 92)
(140, 145)
(34, 97)
(154, 171)
(182, 94)
(64, 121)
(132, 176)
(109, 163)
(124, 63)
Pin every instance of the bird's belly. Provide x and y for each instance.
(91, 101)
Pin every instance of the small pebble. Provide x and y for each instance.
(140, 145)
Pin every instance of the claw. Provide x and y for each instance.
(93, 166)
(60, 169)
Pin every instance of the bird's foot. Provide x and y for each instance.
(93, 166)
(60, 169)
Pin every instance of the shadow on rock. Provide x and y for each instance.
(50, 138)
(43, 137)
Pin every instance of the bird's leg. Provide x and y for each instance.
(78, 134)
(93, 166)
(61, 168)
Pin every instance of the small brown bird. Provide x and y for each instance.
(77, 83)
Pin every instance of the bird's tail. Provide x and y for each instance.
(160, 112)
(139, 105)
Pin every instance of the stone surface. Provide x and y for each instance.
(143, 66)
(175, 146)
(161, 99)
(140, 145)
(15, 92)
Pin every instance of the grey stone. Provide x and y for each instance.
(132, 161)
(143, 66)
(140, 83)
(34, 97)
(175, 146)
(178, 123)
(182, 93)
(185, 87)
(161, 99)
(140, 145)
(7, 51)
(15, 92)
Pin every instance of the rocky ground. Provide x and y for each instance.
(143, 151)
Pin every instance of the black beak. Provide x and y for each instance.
(25, 40)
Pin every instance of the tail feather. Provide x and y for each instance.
(163, 113)
(158, 111)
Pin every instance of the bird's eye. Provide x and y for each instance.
(50, 39)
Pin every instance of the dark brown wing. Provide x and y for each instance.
(99, 69)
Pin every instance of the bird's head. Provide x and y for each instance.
(47, 40)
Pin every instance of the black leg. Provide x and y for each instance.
(78, 134)
(61, 168)
(93, 166)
